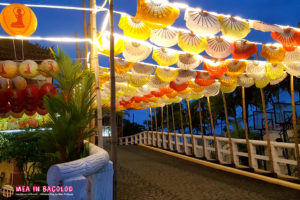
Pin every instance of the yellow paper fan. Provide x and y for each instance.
(172, 95)
(227, 80)
(273, 54)
(134, 27)
(261, 83)
(157, 12)
(191, 42)
(274, 71)
(276, 81)
(122, 66)
(234, 27)
(166, 74)
(104, 45)
(228, 89)
(136, 52)
(235, 68)
(103, 78)
(142, 68)
(194, 95)
(195, 87)
(165, 57)
(129, 90)
(138, 80)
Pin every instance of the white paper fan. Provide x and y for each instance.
(212, 90)
(189, 61)
(256, 70)
(264, 27)
(293, 68)
(292, 56)
(156, 83)
(202, 22)
(165, 37)
(121, 78)
(136, 52)
(276, 81)
(218, 47)
(142, 68)
(245, 80)
(185, 75)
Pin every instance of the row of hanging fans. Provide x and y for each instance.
(140, 88)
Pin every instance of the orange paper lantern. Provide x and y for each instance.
(18, 20)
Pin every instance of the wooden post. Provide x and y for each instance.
(246, 129)
(267, 129)
(151, 127)
(162, 126)
(201, 128)
(173, 120)
(182, 130)
(295, 124)
(213, 128)
(191, 125)
(147, 125)
(227, 128)
(85, 35)
(169, 141)
(95, 67)
(156, 126)
(78, 53)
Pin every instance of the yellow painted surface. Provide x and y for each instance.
(7, 168)
(228, 169)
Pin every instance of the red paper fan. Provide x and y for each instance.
(157, 94)
(178, 86)
(215, 69)
(243, 49)
(138, 99)
(166, 90)
(289, 38)
(147, 96)
(204, 79)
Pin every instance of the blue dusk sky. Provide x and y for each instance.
(64, 23)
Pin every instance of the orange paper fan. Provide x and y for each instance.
(273, 54)
(178, 86)
(215, 69)
(204, 79)
(243, 49)
(289, 38)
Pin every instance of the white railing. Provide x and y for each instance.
(284, 159)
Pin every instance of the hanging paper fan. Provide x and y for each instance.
(204, 79)
(261, 83)
(228, 89)
(243, 49)
(191, 43)
(195, 87)
(136, 52)
(289, 38)
(185, 75)
(234, 27)
(202, 22)
(156, 83)
(104, 45)
(218, 47)
(166, 90)
(235, 68)
(184, 93)
(165, 57)
(292, 56)
(273, 54)
(245, 81)
(153, 99)
(256, 70)
(165, 37)
(141, 68)
(215, 69)
(274, 71)
(194, 95)
(189, 61)
(262, 26)
(227, 80)
(157, 94)
(103, 78)
(212, 90)
(145, 89)
(122, 66)
(129, 90)
(157, 12)
(134, 27)
(172, 95)
(293, 68)
(277, 81)
(138, 80)
(166, 74)
(121, 78)
(178, 86)
(174, 100)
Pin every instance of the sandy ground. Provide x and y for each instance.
(148, 175)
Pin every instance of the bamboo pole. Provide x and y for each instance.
(213, 128)
(295, 124)
(156, 126)
(246, 129)
(78, 53)
(182, 130)
(227, 128)
(191, 125)
(267, 129)
(168, 130)
(95, 67)
(201, 128)
(151, 127)
(113, 99)
(162, 126)
(85, 35)
(173, 120)
(147, 125)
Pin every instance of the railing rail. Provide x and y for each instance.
(284, 159)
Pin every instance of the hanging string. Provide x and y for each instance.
(22, 43)
(14, 45)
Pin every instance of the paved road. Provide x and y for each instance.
(148, 175)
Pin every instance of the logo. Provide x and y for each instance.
(7, 191)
